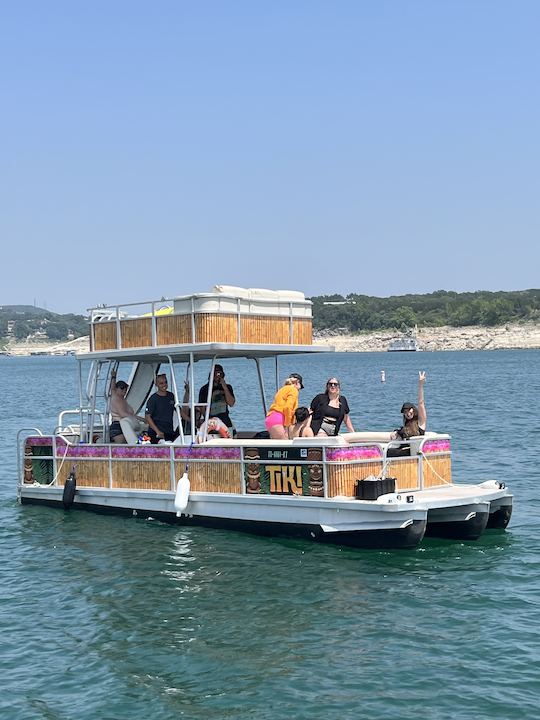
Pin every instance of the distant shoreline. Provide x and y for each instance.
(515, 336)
(46, 347)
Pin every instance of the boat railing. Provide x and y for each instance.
(247, 316)
(82, 415)
(430, 454)
(227, 465)
(23, 433)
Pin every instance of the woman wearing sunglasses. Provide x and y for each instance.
(330, 409)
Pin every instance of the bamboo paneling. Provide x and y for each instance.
(209, 327)
(141, 474)
(341, 478)
(302, 331)
(437, 470)
(216, 477)
(88, 473)
(104, 335)
(258, 329)
(405, 470)
(136, 333)
(173, 329)
(216, 327)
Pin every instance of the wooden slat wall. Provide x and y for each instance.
(212, 477)
(405, 470)
(435, 468)
(142, 474)
(302, 331)
(173, 329)
(104, 335)
(136, 332)
(88, 473)
(258, 329)
(341, 478)
(214, 327)
(209, 327)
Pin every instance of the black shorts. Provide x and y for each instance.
(169, 436)
(115, 429)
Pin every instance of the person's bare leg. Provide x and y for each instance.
(277, 432)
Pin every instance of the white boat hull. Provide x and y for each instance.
(390, 521)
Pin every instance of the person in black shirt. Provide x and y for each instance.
(414, 417)
(159, 413)
(330, 409)
(222, 398)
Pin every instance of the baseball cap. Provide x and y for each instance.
(298, 377)
(407, 406)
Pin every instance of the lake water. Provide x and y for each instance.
(110, 618)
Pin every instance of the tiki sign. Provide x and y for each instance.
(284, 471)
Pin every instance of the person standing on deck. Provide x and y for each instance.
(160, 413)
(330, 409)
(280, 417)
(222, 398)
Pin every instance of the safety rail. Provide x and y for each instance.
(275, 318)
(61, 425)
(327, 469)
(438, 445)
(20, 455)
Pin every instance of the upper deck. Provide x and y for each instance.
(230, 315)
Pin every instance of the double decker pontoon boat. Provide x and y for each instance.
(407, 342)
(344, 489)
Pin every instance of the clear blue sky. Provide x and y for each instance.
(157, 148)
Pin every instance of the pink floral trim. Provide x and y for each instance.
(36, 440)
(141, 452)
(366, 452)
(101, 451)
(206, 453)
(435, 446)
(82, 451)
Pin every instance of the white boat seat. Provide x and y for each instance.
(382, 437)
(129, 431)
(320, 440)
(362, 437)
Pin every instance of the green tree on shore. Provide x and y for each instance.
(356, 313)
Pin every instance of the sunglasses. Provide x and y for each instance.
(332, 384)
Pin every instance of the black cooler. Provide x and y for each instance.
(371, 487)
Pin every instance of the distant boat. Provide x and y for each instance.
(406, 343)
